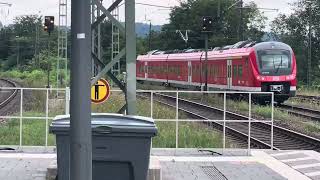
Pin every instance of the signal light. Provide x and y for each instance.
(207, 23)
(49, 24)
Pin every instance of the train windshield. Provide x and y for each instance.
(274, 62)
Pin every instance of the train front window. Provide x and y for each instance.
(274, 62)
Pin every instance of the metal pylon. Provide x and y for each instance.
(115, 46)
(129, 51)
(96, 38)
(62, 61)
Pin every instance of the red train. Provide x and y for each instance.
(245, 66)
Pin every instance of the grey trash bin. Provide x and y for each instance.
(120, 146)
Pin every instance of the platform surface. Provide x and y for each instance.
(185, 164)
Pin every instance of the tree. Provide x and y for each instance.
(188, 16)
(19, 43)
(293, 29)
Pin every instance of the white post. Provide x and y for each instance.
(47, 115)
(21, 115)
(224, 119)
(151, 113)
(249, 124)
(272, 111)
(67, 104)
(177, 117)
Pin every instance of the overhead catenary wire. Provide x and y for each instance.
(154, 5)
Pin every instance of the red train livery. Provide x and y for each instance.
(262, 67)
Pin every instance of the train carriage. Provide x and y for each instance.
(246, 66)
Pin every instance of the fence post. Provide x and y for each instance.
(67, 104)
(249, 124)
(151, 113)
(224, 120)
(21, 115)
(47, 115)
(272, 116)
(177, 117)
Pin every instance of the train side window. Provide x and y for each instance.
(235, 73)
(240, 71)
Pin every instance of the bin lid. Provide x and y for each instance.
(106, 123)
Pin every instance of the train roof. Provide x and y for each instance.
(272, 45)
(242, 48)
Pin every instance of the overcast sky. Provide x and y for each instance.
(143, 13)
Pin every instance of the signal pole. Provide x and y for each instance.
(206, 29)
(150, 26)
(206, 59)
(18, 50)
(310, 45)
(241, 21)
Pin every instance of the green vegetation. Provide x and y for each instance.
(314, 91)
(293, 30)
(34, 132)
(191, 135)
(304, 103)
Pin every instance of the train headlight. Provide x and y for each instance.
(291, 77)
(259, 77)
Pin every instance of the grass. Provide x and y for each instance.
(308, 91)
(33, 132)
(191, 135)
(304, 103)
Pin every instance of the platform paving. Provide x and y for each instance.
(19, 165)
(184, 164)
(306, 162)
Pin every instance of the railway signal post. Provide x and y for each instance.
(206, 29)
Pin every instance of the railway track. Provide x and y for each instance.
(309, 114)
(6, 96)
(284, 139)
(309, 98)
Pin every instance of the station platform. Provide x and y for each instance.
(182, 164)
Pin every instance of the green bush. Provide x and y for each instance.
(36, 75)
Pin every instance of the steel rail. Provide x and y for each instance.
(12, 95)
(303, 112)
(311, 98)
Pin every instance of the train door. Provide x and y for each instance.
(145, 70)
(189, 72)
(229, 74)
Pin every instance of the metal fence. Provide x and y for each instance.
(151, 96)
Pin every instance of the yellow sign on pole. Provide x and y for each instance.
(100, 92)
